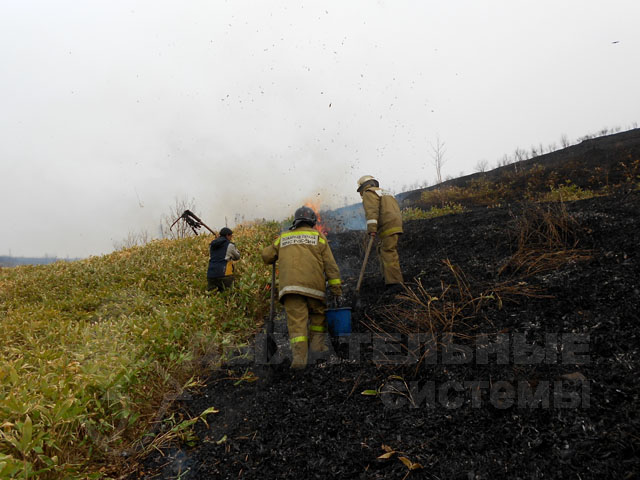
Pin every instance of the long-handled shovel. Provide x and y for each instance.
(193, 221)
(272, 346)
(355, 304)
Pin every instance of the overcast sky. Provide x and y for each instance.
(112, 110)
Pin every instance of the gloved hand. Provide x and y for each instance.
(336, 299)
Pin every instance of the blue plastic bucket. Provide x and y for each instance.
(339, 321)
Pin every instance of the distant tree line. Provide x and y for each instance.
(8, 261)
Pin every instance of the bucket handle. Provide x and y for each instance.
(335, 302)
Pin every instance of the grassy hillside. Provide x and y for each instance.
(93, 352)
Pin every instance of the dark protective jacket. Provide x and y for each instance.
(222, 253)
(382, 212)
(304, 257)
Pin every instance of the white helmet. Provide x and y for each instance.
(362, 180)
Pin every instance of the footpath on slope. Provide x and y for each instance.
(553, 416)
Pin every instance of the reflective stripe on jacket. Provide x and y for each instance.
(304, 257)
(382, 212)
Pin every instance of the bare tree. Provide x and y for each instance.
(564, 140)
(180, 229)
(481, 166)
(438, 157)
(133, 239)
(504, 161)
(239, 218)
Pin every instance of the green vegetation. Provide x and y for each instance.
(94, 351)
(412, 213)
(534, 185)
(631, 173)
(477, 192)
(569, 181)
(566, 193)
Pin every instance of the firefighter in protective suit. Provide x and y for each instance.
(304, 260)
(384, 220)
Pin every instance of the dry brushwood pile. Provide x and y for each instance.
(512, 354)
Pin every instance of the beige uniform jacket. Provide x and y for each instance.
(304, 257)
(382, 212)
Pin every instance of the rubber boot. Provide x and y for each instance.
(317, 342)
(300, 354)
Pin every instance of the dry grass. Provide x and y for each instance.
(457, 310)
(548, 226)
(546, 238)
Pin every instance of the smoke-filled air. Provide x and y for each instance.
(113, 111)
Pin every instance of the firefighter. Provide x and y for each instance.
(222, 255)
(384, 221)
(304, 261)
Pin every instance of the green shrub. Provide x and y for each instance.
(630, 174)
(411, 213)
(566, 193)
(478, 192)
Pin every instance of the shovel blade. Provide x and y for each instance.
(272, 347)
(356, 304)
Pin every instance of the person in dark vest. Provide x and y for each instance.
(222, 254)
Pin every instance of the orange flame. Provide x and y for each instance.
(320, 226)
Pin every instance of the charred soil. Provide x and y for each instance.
(561, 301)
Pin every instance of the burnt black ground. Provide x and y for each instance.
(319, 425)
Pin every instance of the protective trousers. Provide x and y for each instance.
(387, 249)
(307, 326)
